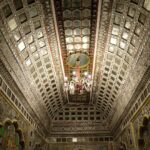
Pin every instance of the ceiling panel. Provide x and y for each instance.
(28, 40)
(127, 30)
(76, 22)
(47, 38)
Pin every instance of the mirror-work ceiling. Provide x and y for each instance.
(76, 20)
(129, 25)
(24, 30)
(76, 24)
(41, 42)
(122, 29)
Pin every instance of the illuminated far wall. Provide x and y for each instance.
(82, 146)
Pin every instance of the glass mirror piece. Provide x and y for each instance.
(12, 24)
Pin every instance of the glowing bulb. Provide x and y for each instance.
(89, 76)
(65, 78)
(74, 73)
(86, 73)
(71, 86)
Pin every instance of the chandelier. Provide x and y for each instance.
(78, 83)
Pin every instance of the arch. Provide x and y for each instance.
(7, 122)
(122, 146)
(144, 133)
(18, 130)
(20, 134)
(15, 124)
(11, 136)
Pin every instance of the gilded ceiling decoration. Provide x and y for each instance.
(43, 42)
(76, 21)
(29, 43)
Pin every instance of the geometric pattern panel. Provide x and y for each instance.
(29, 44)
(129, 24)
(76, 21)
(78, 114)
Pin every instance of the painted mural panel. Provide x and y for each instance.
(10, 138)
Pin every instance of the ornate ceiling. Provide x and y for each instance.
(38, 38)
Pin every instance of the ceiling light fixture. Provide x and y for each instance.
(78, 83)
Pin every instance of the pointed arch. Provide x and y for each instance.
(11, 136)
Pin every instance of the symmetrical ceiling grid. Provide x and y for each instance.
(52, 39)
(77, 25)
(78, 114)
(76, 20)
(102, 31)
(83, 122)
(79, 119)
(49, 41)
(129, 25)
(26, 30)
